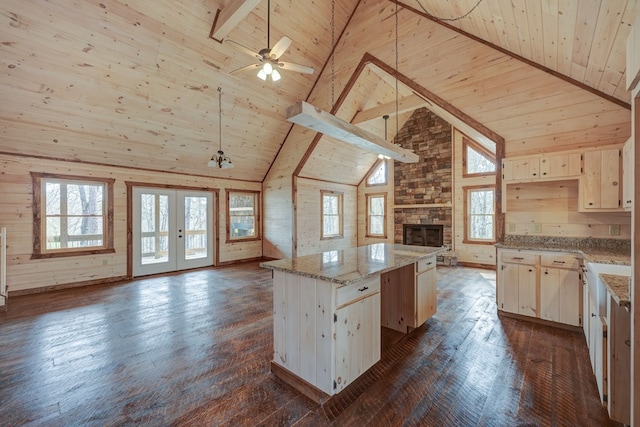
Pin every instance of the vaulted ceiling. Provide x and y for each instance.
(134, 83)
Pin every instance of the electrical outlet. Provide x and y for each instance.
(537, 228)
(512, 227)
(104, 262)
(614, 229)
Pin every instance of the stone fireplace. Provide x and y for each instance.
(423, 191)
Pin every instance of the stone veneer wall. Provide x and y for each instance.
(430, 180)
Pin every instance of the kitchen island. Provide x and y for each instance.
(329, 308)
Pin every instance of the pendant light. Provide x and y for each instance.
(220, 160)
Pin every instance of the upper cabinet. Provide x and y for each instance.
(546, 166)
(600, 184)
(560, 165)
(627, 175)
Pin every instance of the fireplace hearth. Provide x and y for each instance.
(422, 234)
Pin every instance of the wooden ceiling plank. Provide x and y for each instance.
(229, 17)
(405, 104)
(306, 115)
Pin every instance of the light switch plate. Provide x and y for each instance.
(614, 229)
(512, 227)
(537, 228)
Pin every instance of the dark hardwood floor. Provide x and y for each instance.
(195, 348)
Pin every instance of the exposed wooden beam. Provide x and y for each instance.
(305, 114)
(229, 17)
(408, 103)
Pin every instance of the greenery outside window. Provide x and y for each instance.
(479, 214)
(72, 215)
(243, 215)
(476, 159)
(376, 215)
(331, 214)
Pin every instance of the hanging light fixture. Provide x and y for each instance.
(220, 160)
(385, 118)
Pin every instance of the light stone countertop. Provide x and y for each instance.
(346, 266)
(618, 287)
(619, 255)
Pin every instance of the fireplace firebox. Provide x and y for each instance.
(422, 234)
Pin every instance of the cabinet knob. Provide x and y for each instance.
(590, 203)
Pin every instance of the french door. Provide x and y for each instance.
(172, 230)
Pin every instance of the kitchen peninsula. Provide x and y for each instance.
(329, 308)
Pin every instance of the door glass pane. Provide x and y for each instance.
(195, 227)
(154, 228)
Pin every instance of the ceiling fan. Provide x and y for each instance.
(269, 58)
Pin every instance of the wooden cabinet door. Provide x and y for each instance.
(560, 165)
(590, 184)
(527, 295)
(426, 299)
(508, 288)
(549, 294)
(358, 343)
(569, 293)
(521, 169)
(586, 313)
(627, 174)
(560, 296)
(600, 184)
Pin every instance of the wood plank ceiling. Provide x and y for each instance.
(134, 83)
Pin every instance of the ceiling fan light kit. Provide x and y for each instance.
(269, 57)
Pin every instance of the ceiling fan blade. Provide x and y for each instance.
(280, 47)
(247, 68)
(243, 48)
(296, 67)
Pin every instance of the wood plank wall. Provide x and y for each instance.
(551, 209)
(308, 219)
(16, 214)
(481, 254)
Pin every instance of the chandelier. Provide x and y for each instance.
(219, 159)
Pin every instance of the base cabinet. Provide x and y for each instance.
(559, 290)
(324, 334)
(545, 285)
(410, 295)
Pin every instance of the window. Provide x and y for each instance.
(71, 215)
(480, 214)
(477, 160)
(378, 175)
(243, 218)
(331, 214)
(376, 223)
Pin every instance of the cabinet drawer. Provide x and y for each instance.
(519, 258)
(562, 261)
(355, 291)
(425, 264)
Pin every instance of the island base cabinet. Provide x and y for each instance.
(426, 295)
(324, 334)
(357, 339)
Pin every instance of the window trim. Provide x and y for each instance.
(256, 212)
(466, 142)
(466, 193)
(39, 224)
(340, 196)
(368, 198)
(373, 169)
